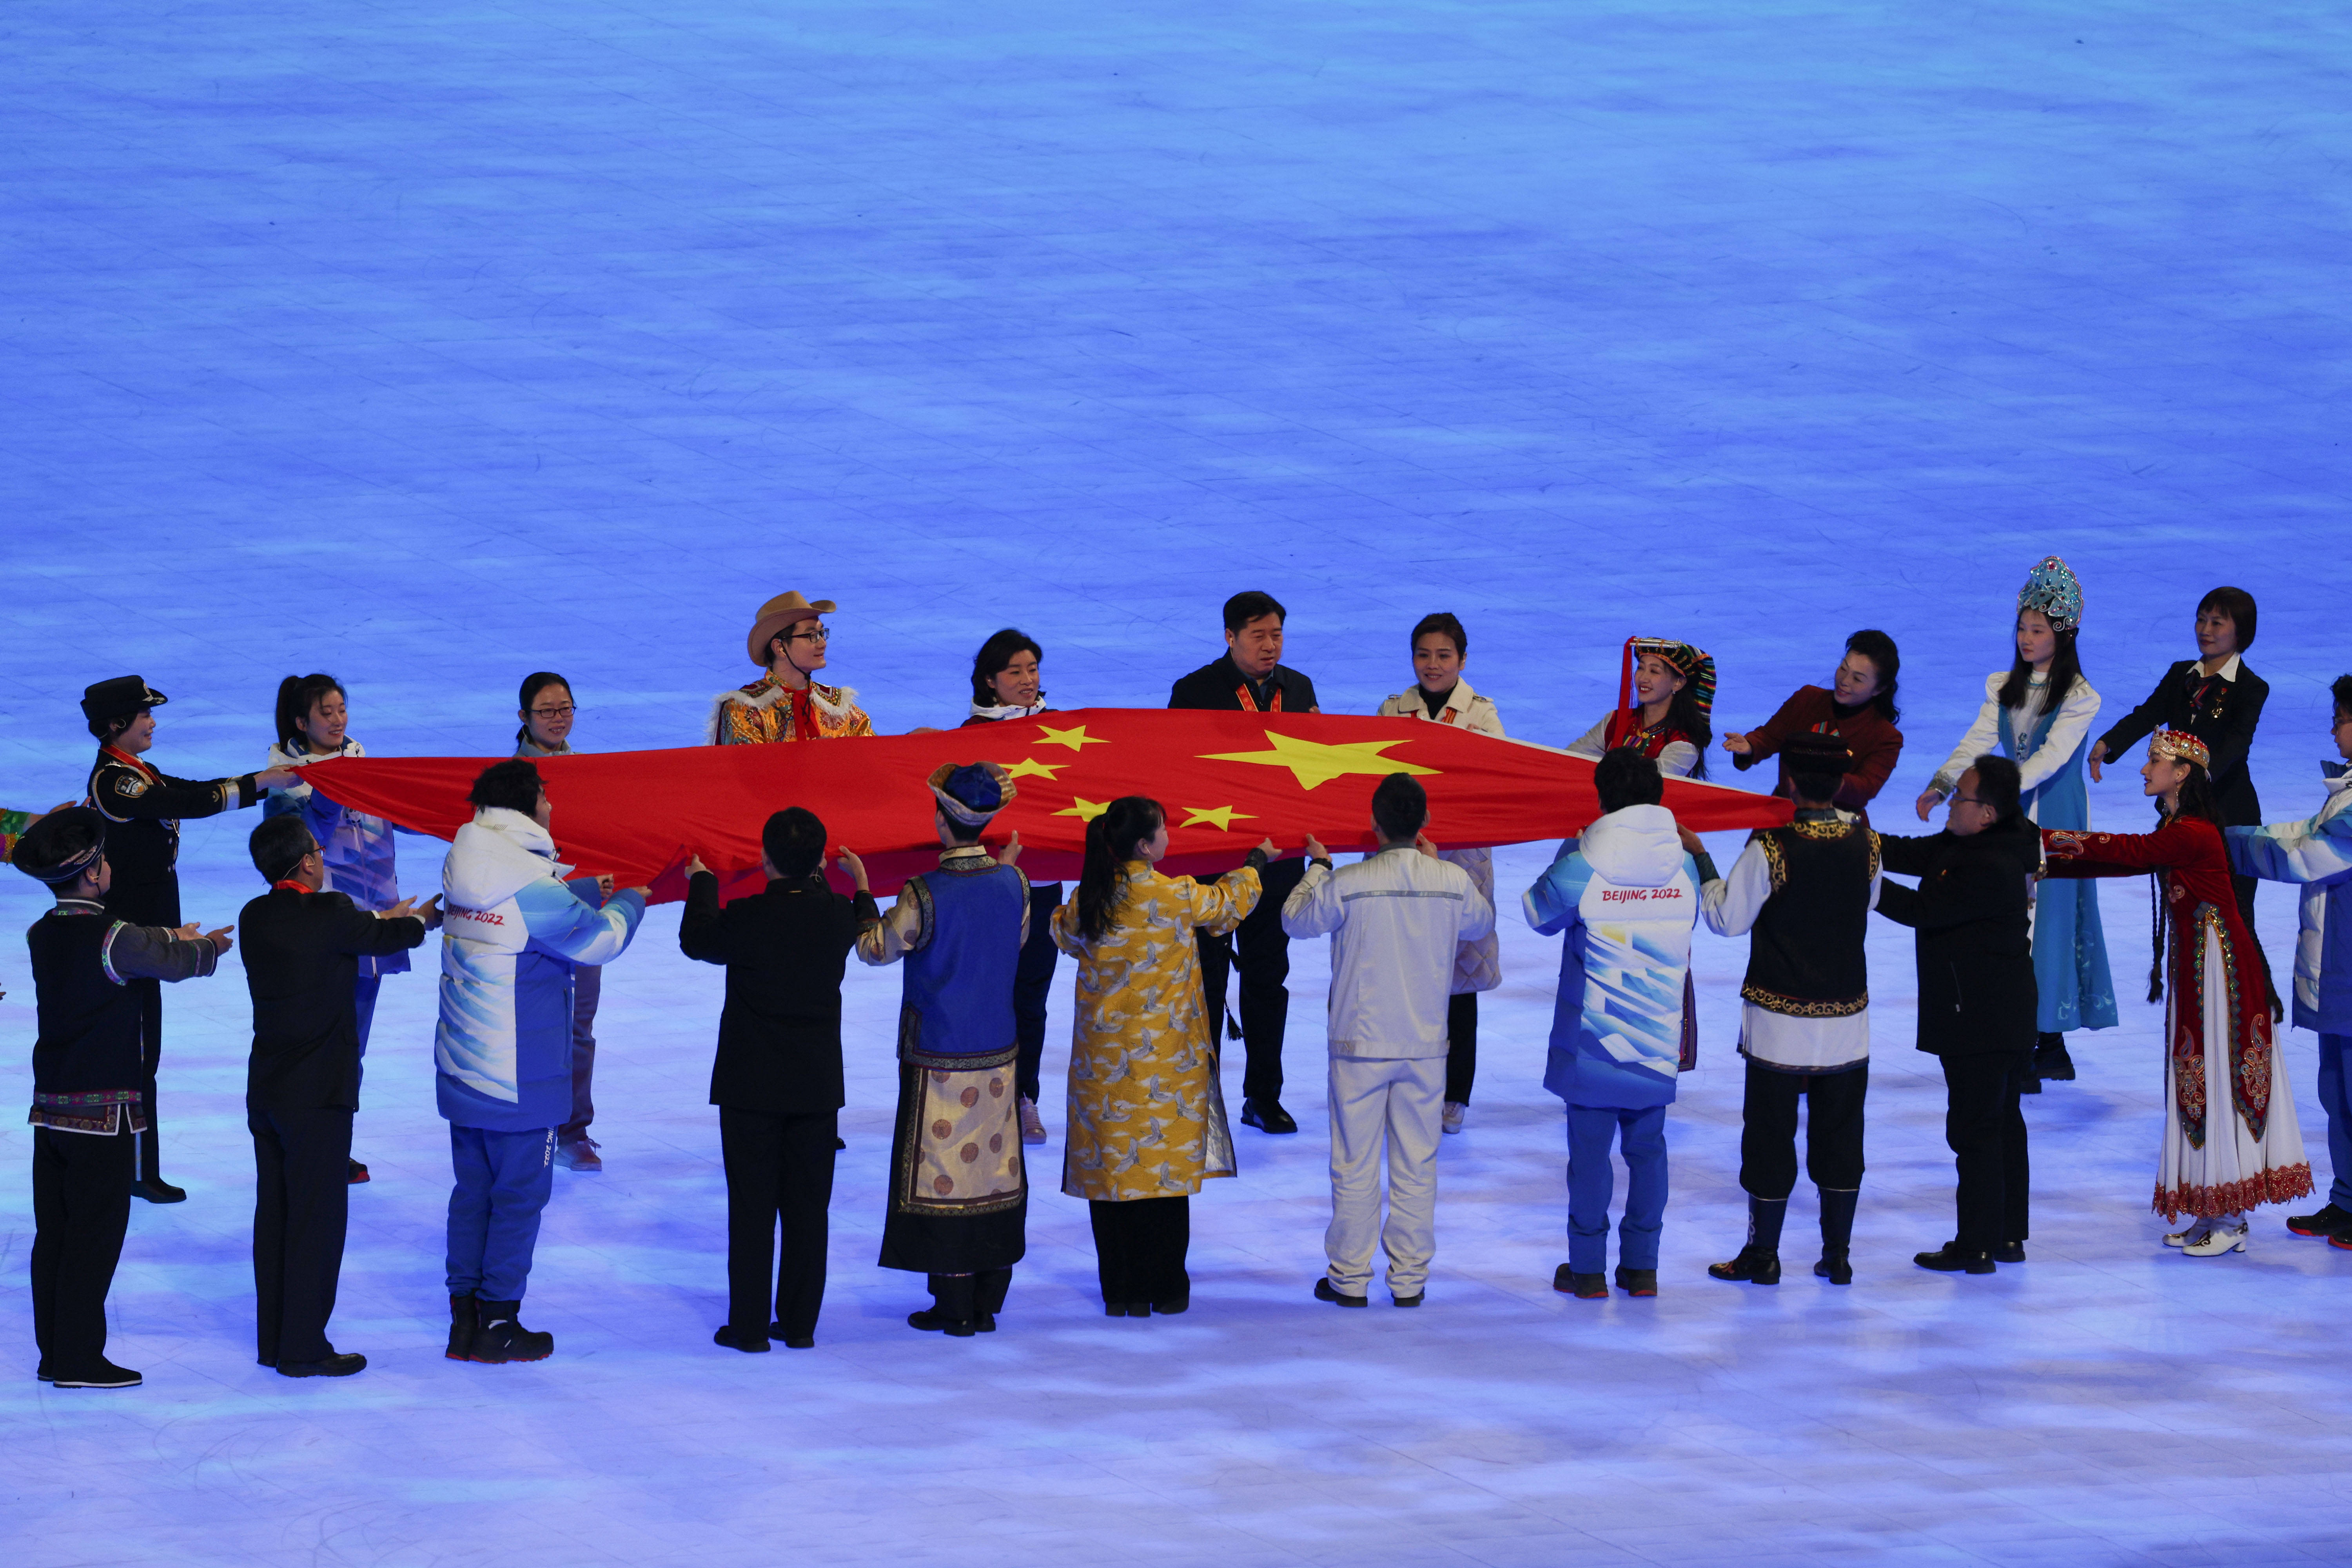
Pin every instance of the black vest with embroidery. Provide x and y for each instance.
(1805, 954)
(85, 1057)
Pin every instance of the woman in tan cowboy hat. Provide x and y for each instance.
(787, 639)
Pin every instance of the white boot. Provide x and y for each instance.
(2227, 1234)
(1451, 1118)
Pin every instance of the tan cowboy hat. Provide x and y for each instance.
(777, 614)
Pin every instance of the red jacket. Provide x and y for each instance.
(1868, 733)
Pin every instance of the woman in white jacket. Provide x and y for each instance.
(1439, 695)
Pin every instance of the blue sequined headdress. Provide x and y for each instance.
(2052, 588)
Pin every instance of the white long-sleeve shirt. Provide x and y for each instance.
(1984, 736)
(1730, 905)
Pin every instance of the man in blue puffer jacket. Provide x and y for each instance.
(503, 1050)
(1627, 894)
(2318, 853)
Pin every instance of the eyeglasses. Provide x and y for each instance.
(821, 633)
(1971, 800)
(566, 711)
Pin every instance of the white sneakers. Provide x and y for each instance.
(1455, 1111)
(1032, 1126)
(2209, 1238)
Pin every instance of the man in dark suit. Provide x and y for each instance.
(302, 947)
(777, 1077)
(2216, 698)
(1250, 677)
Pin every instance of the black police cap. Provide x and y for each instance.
(119, 699)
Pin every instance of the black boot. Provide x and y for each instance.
(464, 1321)
(1759, 1262)
(502, 1337)
(954, 1308)
(2051, 1061)
(1837, 1235)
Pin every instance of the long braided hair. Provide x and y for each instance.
(2196, 799)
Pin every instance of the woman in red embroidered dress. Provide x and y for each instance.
(2231, 1141)
(1666, 701)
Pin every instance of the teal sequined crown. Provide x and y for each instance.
(2052, 588)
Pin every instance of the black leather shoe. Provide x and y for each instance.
(1752, 1266)
(1950, 1260)
(342, 1364)
(799, 1341)
(1415, 1299)
(931, 1320)
(159, 1191)
(1637, 1281)
(1323, 1292)
(2031, 1085)
(1835, 1268)
(727, 1337)
(1172, 1304)
(1267, 1116)
(2009, 1252)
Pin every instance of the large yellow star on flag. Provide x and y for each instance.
(1031, 768)
(1075, 737)
(1314, 763)
(1220, 817)
(1085, 810)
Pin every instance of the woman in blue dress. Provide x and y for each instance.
(2038, 713)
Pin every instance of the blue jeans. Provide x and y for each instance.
(503, 1182)
(2332, 1051)
(1641, 1135)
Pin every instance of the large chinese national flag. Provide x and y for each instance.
(1227, 780)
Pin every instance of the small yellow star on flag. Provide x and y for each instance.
(1075, 737)
(1085, 810)
(1031, 768)
(1314, 763)
(1220, 817)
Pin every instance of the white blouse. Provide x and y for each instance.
(2073, 722)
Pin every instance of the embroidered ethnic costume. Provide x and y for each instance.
(2231, 1140)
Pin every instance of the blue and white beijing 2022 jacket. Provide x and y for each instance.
(510, 935)
(1627, 896)
(2318, 853)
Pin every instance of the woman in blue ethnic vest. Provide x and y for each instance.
(958, 1205)
(2038, 713)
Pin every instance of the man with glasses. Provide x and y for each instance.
(1977, 999)
(788, 640)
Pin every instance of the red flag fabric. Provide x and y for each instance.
(1227, 780)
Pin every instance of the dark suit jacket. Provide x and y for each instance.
(784, 949)
(301, 962)
(1218, 686)
(2225, 722)
(1977, 992)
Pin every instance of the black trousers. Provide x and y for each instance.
(1768, 1131)
(81, 1207)
(1262, 949)
(1461, 1045)
(1031, 981)
(1139, 1248)
(301, 1210)
(1987, 1132)
(779, 1172)
(151, 1051)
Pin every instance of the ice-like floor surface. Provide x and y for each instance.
(431, 343)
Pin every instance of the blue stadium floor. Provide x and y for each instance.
(431, 343)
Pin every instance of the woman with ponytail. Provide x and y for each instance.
(1146, 1114)
(314, 722)
(2230, 1140)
